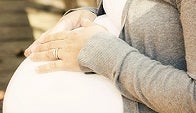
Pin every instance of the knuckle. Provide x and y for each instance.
(52, 65)
(72, 35)
(48, 46)
(64, 44)
(33, 57)
(49, 55)
(38, 48)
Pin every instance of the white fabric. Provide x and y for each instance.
(112, 19)
(60, 92)
(114, 9)
(106, 22)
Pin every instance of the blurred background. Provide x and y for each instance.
(23, 21)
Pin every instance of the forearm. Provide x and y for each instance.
(188, 16)
(162, 88)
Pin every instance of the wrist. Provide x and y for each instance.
(86, 14)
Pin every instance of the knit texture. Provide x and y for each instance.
(147, 62)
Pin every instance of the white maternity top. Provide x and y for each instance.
(63, 91)
(112, 19)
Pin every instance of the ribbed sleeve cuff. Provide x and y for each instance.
(104, 54)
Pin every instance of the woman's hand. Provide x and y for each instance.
(62, 48)
(68, 22)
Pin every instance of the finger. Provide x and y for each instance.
(49, 45)
(29, 50)
(51, 67)
(43, 56)
(56, 36)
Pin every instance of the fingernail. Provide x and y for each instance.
(27, 52)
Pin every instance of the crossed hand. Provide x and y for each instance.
(62, 48)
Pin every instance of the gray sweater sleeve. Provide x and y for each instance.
(92, 9)
(162, 88)
(188, 16)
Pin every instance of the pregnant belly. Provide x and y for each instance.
(60, 92)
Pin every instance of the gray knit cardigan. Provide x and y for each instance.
(147, 61)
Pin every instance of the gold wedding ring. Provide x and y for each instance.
(55, 53)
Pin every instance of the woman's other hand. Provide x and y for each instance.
(62, 48)
(68, 22)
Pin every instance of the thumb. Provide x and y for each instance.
(86, 22)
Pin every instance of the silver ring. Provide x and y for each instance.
(55, 53)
